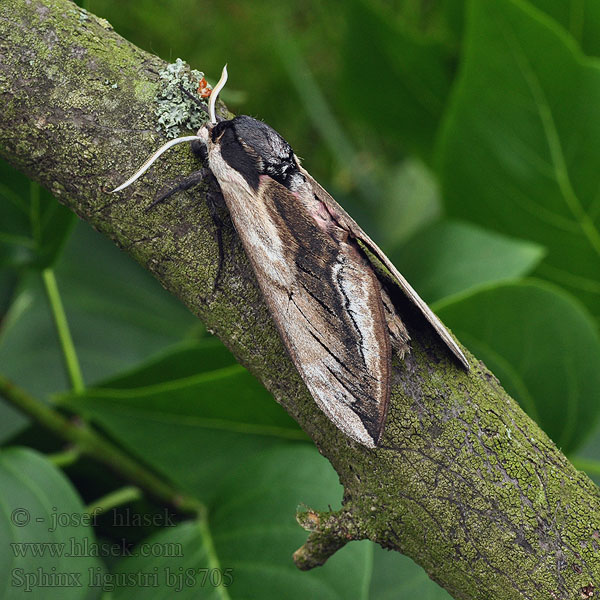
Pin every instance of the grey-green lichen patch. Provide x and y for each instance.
(81, 13)
(175, 109)
(145, 91)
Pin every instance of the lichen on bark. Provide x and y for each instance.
(464, 483)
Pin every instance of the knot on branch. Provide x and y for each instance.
(329, 531)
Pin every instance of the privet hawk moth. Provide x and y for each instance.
(316, 269)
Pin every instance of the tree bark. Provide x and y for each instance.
(465, 483)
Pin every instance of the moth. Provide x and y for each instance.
(321, 275)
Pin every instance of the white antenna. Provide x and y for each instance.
(148, 163)
(188, 138)
(212, 101)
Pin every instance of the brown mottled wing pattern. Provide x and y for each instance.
(326, 302)
(346, 222)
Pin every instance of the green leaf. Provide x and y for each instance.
(453, 16)
(190, 426)
(404, 79)
(252, 532)
(11, 421)
(43, 527)
(8, 284)
(411, 201)
(581, 18)
(187, 359)
(33, 225)
(586, 457)
(543, 347)
(118, 315)
(451, 257)
(521, 148)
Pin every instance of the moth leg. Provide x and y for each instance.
(398, 332)
(186, 183)
(214, 199)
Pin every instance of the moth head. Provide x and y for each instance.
(253, 149)
(248, 146)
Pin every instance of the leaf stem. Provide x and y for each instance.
(63, 331)
(87, 441)
(211, 553)
(65, 458)
(123, 495)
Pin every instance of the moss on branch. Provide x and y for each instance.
(465, 483)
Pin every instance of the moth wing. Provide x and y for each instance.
(348, 223)
(326, 302)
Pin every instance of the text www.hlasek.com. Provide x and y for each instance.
(83, 547)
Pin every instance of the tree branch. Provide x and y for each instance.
(465, 483)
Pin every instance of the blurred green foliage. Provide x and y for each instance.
(465, 136)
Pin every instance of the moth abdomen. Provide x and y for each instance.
(399, 337)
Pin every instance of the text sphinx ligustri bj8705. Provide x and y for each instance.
(314, 265)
